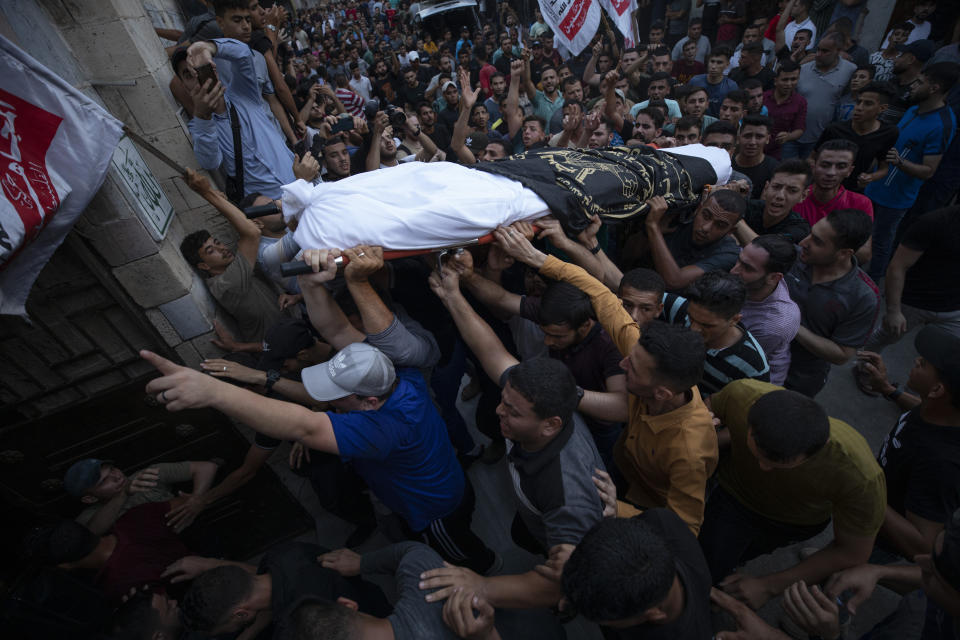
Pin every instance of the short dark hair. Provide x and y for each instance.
(756, 120)
(135, 619)
(220, 7)
(851, 228)
(884, 89)
(687, 122)
(694, 21)
(942, 74)
(316, 618)
(642, 279)
(497, 75)
(730, 201)
(678, 353)
(751, 83)
(795, 167)
(208, 602)
(548, 385)
(655, 114)
(721, 51)
(661, 51)
(190, 247)
(722, 127)
(535, 118)
(786, 66)
(423, 103)
(752, 47)
(569, 81)
(564, 304)
(691, 89)
(781, 252)
(838, 144)
(661, 75)
(837, 38)
(719, 292)
(786, 425)
(507, 149)
(620, 568)
(739, 96)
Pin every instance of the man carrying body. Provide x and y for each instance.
(837, 300)
(704, 244)
(665, 414)
(791, 469)
(387, 425)
(551, 457)
(771, 316)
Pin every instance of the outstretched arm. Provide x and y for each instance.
(512, 107)
(475, 332)
(325, 315)
(248, 232)
(183, 388)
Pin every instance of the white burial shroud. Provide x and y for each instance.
(424, 205)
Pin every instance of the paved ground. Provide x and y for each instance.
(873, 417)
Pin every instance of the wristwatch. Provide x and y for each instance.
(896, 393)
(272, 376)
(580, 393)
(596, 249)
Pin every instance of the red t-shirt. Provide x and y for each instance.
(145, 547)
(813, 210)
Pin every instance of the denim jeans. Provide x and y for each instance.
(885, 223)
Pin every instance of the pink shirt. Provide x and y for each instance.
(813, 210)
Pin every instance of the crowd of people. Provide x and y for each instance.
(646, 373)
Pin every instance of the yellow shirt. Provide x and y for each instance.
(842, 480)
(666, 459)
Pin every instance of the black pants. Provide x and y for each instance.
(733, 534)
(453, 538)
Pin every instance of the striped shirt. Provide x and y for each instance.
(743, 359)
(352, 102)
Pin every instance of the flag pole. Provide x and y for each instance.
(160, 155)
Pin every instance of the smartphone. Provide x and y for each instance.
(343, 124)
(205, 72)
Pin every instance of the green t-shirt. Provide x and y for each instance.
(842, 480)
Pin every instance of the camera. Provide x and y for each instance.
(396, 116)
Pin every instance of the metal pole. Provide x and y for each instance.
(136, 137)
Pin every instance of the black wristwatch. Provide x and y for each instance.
(896, 393)
(596, 249)
(580, 393)
(272, 376)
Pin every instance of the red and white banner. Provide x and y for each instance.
(574, 22)
(55, 147)
(620, 13)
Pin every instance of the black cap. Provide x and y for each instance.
(941, 348)
(923, 50)
(285, 340)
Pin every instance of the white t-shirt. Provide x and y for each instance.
(791, 30)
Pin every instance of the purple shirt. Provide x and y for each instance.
(774, 322)
(788, 116)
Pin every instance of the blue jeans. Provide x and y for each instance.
(885, 223)
(796, 149)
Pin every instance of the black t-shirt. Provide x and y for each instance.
(385, 89)
(898, 104)
(933, 283)
(412, 95)
(921, 463)
(260, 42)
(694, 623)
(758, 174)
(295, 572)
(873, 147)
(765, 76)
(793, 225)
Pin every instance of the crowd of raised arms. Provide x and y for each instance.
(646, 386)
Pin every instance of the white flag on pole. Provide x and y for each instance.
(621, 14)
(55, 148)
(574, 22)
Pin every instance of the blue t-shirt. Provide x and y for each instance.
(927, 134)
(715, 92)
(403, 452)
